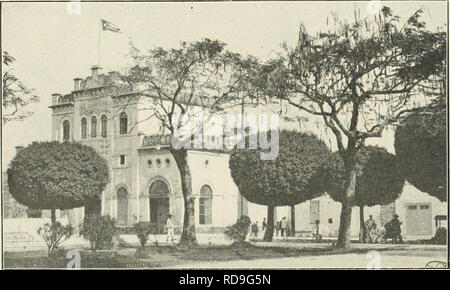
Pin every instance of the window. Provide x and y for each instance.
(104, 123)
(424, 207)
(123, 123)
(149, 163)
(122, 206)
(93, 127)
(122, 159)
(66, 130)
(158, 162)
(314, 211)
(412, 206)
(167, 162)
(83, 128)
(205, 210)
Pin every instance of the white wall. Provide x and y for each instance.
(413, 195)
(217, 175)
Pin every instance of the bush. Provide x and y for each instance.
(143, 230)
(440, 238)
(99, 231)
(54, 235)
(238, 232)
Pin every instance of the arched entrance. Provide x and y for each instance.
(159, 204)
(122, 206)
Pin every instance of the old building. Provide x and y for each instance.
(145, 181)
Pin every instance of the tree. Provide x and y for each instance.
(420, 145)
(292, 178)
(379, 179)
(353, 77)
(420, 139)
(201, 74)
(52, 175)
(16, 96)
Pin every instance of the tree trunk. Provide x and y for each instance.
(293, 220)
(268, 235)
(53, 213)
(188, 238)
(346, 211)
(361, 225)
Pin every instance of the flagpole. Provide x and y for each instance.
(99, 37)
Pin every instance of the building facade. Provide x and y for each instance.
(145, 181)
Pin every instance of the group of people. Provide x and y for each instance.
(280, 227)
(392, 230)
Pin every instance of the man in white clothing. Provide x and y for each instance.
(169, 226)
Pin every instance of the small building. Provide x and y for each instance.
(417, 211)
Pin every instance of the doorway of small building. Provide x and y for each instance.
(159, 212)
(418, 219)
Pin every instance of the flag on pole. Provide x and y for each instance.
(108, 26)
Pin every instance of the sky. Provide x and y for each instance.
(53, 46)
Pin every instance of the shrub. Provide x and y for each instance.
(54, 235)
(238, 231)
(99, 231)
(440, 238)
(143, 230)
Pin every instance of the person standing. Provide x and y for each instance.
(254, 229)
(396, 229)
(371, 226)
(169, 226)
(264, 224)
(283, 226)
(278, 228)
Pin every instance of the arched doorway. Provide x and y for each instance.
(122, 206)
(159, 204)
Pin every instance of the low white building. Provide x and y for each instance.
(416, 210)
